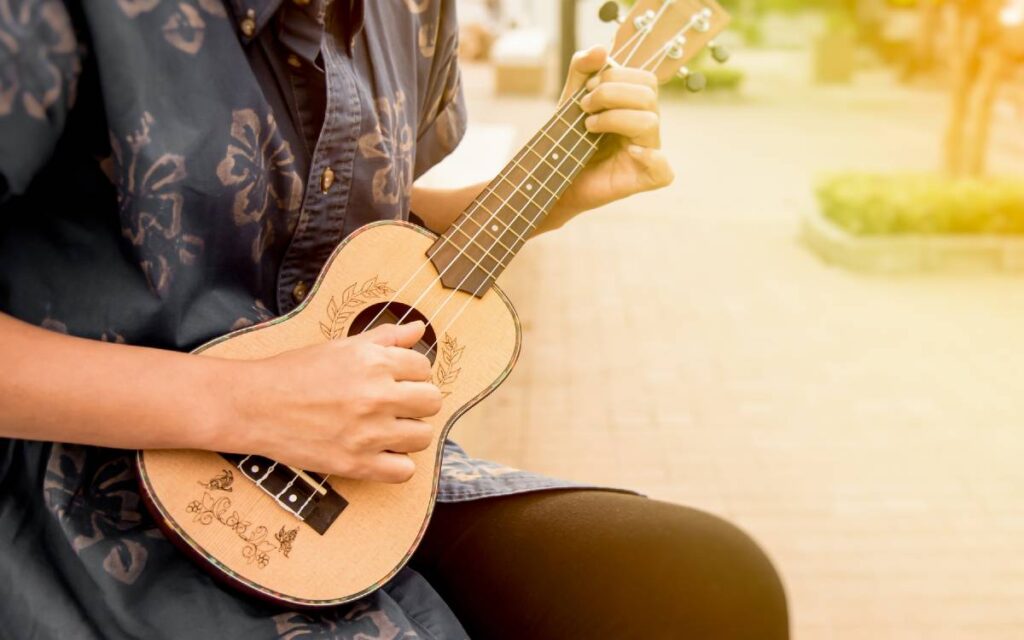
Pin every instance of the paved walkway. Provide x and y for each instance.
(868, 431)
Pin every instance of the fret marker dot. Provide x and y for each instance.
(529, 187)
(292, 498)
(494, 228)
(254, 468)
(554, 156)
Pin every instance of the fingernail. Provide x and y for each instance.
(635, 150)
(593, 82)
(591, 122)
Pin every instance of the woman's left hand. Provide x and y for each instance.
(622, 102)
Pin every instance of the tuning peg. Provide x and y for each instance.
(610, 12)
(695, 81)
(719, 52)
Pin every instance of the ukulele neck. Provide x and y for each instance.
(492, 230)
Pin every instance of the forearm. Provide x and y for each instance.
(438, 208)
(59, 388)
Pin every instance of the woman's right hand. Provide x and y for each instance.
(351, 407)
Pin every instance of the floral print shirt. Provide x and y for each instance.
(171, 170)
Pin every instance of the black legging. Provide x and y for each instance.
(583, 564)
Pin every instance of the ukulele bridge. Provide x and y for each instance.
(307, 496)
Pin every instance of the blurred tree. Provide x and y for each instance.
(987, 41)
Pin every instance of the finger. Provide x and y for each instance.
(641, 127)
(393, 335)
(628, 75)
(583, 65)
(620, 95)
(407, 364)
(390, 467)
(416, 399)
(658, 172)
(408, 436)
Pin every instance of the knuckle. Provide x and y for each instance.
(371, 401)
(406, 471)
(651, 97)
(434, 400)
(423, 437)
(347, 467)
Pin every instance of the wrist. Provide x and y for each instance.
(215, 405)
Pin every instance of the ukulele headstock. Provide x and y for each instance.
(663, 35)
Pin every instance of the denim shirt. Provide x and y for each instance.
(171, 170)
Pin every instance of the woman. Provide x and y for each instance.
(171, 170)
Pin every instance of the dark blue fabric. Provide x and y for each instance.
(160, 185)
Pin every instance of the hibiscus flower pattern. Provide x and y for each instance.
(391, 143)
(150, 202)
(39, 63)
(93, 494)
(361, 621)
(184, 27)
(260, 168)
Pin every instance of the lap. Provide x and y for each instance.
(577, 563)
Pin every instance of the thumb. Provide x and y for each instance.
(397, 335)
(584, 64)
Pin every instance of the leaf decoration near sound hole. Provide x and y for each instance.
(448, 368)
(352, 299)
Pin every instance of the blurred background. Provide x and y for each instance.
(816, 331)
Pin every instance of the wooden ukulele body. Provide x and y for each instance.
(210, 508)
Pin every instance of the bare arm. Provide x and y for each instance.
(59, 388)
(439, 208)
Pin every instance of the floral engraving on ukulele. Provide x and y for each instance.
(448, 368)
(285, 538)
(352, 298)
(257, 546)
(221, 482)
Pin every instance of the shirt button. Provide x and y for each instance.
(326, 179)
(300, 291)
(293, 60)
(248, 25)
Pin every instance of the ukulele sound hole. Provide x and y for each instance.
(390, 313)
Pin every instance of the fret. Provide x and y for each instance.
(525, 182)
(498, 211)
(465, 254)
(506, 213)
(547, 160)
(471, 238)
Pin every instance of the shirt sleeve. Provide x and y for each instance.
(444, 118)
(40, 61)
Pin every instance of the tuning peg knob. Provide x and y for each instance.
(719, 52)
(610, 12)
(695, 81)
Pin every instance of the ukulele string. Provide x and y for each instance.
(636, 40)
(660, 58)
(642, 34)
(562, 109)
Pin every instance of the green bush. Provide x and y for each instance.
(866, 204)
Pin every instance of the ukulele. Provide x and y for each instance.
(305, 539)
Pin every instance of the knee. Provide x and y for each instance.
(739, 591)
